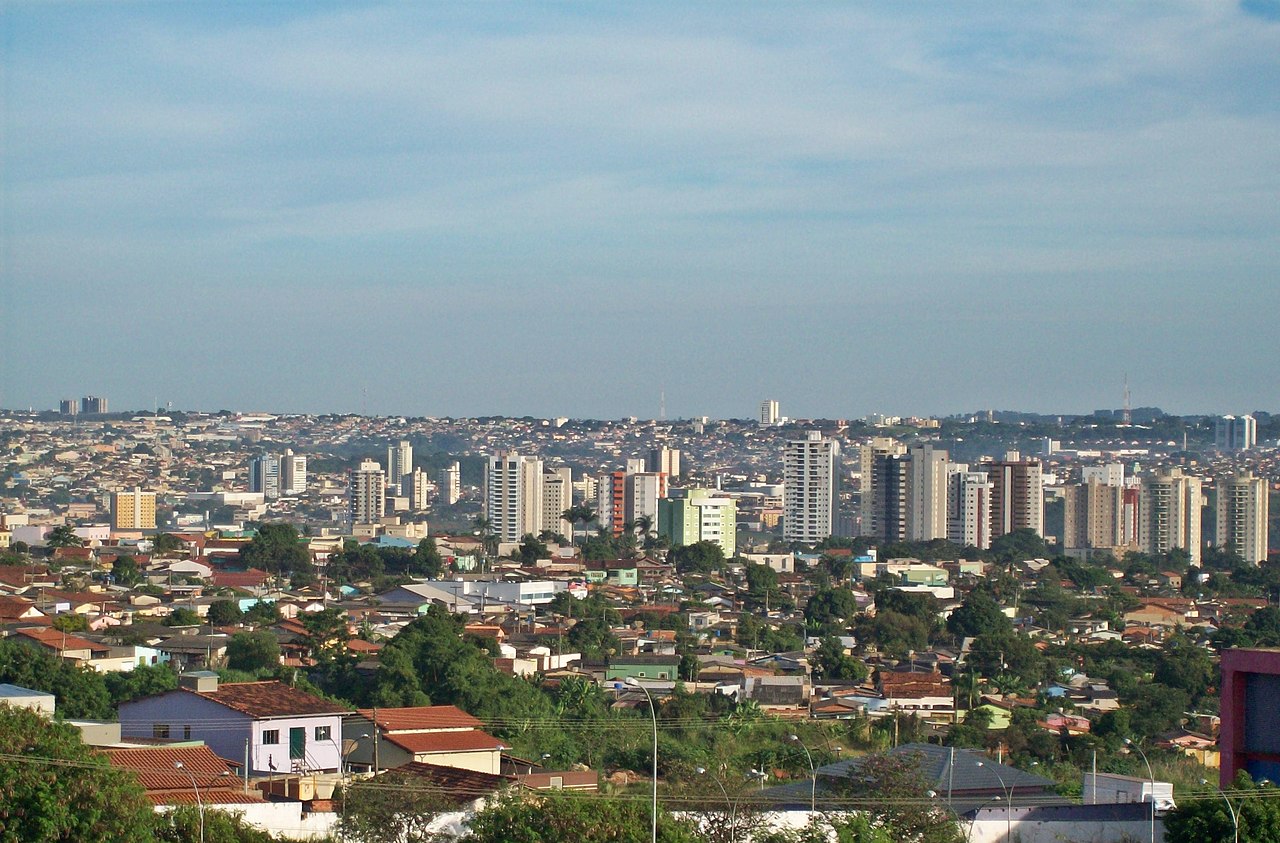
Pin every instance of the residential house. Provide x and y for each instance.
(440, 735)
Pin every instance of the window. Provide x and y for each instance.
(186, 733)
(159, 730)
(322, 733)
(271, 736)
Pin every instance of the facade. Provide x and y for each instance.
(135, 510)
(513, 495)
(1169, 514)
(695, 515)
(93, 405)
(293, 473)
(1235, 433)
(1249, 738)
(399, 463)
(1094, 517)
(926, 493)
(368, 493)
(884, 512)
(443, 735)
(417, 488)
(769, 413)
(1242, 516)
(449, 484)
(264, 476)
(68, 407)
(811, 476)
(968, 507)
(1017, 496)
(557, 496)
(663, 461)
(622, 497)
(868, 454)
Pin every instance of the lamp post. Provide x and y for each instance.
(1008, 812)
(968, 835)
(178, 765)
(813, 773)
(733, 808)
(1235, 821)
(1152, 777)
(632, 682)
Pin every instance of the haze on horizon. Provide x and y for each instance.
(478, 209)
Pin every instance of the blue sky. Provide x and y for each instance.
(564, 209)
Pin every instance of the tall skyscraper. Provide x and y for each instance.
(293, 473)
(885, 508)
(693, 515)
(811, 495)
(1169, 514)
(968, 507)
(557, 496)
(93, 405)
(133, 510)
(368, 493)
(1017, 495)
(663, 461)
(1093, 517)
(769, 413)
(68, 407)
(449, 484)
(876, 513)
(1242, 516)
(926, 493)
(513, 495)
(264, 476)
(1235, 433)
(399, 463)
(624, 496)
(417, 488)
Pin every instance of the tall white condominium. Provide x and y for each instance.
(417, 488)
(663, 460)
(1235, 433)
(1169, 513)
(769, 412)
(368, 493)
(1242, 516)
(926, 493)
(264, 476)
(293, 473)
(557, 496)
(1017, 495)
(399, 463)
(811, 476)
(968, 507)
(449, 484)
(513, 495)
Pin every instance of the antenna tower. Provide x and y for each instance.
(1128, 411)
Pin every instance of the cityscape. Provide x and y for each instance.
(608, 423)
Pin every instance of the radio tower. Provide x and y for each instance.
(1128, 411)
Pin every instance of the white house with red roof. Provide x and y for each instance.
(443, 735)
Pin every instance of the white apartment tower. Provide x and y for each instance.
(1169, 514)
(811, 478)
(926, 493)
(513, 495)
(769, 413)
(417, 488)
(557, 496)
(399, 463)
(663, 461)
(1242, 516)
(1235, 433)
(368, 493)
(264, 476)
(968, 507)
(449, 484)
(293, 473)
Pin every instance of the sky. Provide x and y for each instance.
(593, 210)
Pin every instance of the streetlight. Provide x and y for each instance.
(1235, 821)
(733, 808)
(813, 773)
(178, 765)
(632, 682)
(1152, 777)
(1008, 812)
(968, 836)
(758, 774)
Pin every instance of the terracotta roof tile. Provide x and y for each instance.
(471, 740)
(421, 718)
(269, 699)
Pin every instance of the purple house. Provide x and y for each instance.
(276, 729)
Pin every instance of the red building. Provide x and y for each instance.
(1250, 736)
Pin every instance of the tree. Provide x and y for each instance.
(163, 543)
(184, 823)
(125, 571)
(71, 623)
(762, 587)
(576, 817)
(393, 807)
(980, 614)
(56, 789)
(830, 609)
(531, 550)
(275, 548)
(426, 561)
(143, 681)
(224, 613)
(63, 536)
(832, 664)
(253, 651)
(1019, 545)
(582, 514)
(79, 691)
(593, 637)
(327, 632)
(182, 616)
(698, 558)
(896, 791)
(1206, 816)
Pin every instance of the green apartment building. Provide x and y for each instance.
(693, 515)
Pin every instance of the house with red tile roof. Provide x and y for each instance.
(442, 735)
(70, 647)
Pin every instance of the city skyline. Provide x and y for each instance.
(910, 210)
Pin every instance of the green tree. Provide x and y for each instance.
(1205, 816)
(54, 788)
(184, 823)
(593, 637)
(71, 623)
(224, 613)
(531, 550)
(829, 610)
(832, 664)
(980, 614)
(702, 557)
(427, 561)
(327, 632)
(143, 681)
(125, 571)
(79, 691)
(253, 651)
(63, 535)
(182, 616)
(393, 807)
(1019, 545)
(276, 549)
(896, 791)
(163, 543)
(581, 818)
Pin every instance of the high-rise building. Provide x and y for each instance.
(1093, 517)
(968, 507)
(557, 496)
(663, 461)
(513, 495)
(1169, 514)
(1109, 474)
(368, 493)
(133, 510)
(68, 407)
(1235, 433)
(811, 477)
(449, 484)
(1017, 495)
(417, 488)
(926, 493)
(264, 476)
(769, 413)
(1242, 516)
(399, 463)
(873, 508)
(93, 405)
(622, 497)
(693, 515)
(293, 473)
(884, 510)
